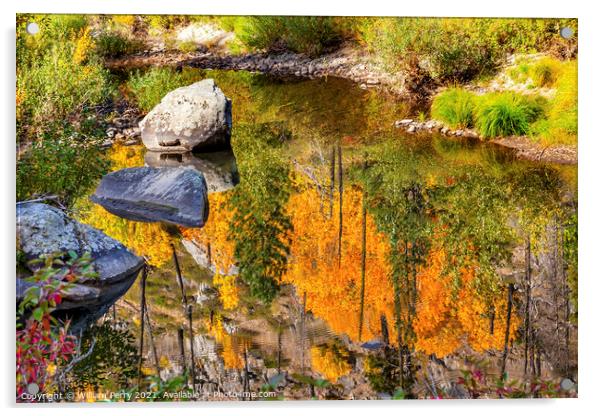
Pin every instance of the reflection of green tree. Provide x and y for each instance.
(400, 202)
(260, 226)
(471, 204)
(113, 361)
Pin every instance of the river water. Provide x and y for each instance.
(332, 233)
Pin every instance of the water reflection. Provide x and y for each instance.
(328, 229)
(219, 168)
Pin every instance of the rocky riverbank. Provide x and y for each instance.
(345, 63)
(523, 146)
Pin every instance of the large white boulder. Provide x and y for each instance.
(197, 117)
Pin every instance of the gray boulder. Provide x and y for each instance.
(218, 168)
(44, 230)
(197, 117)
(172, 195)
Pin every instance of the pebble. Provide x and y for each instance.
(404, 122)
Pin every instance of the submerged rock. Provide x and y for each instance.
(45, 230)
(172, 195)
(218, 168)
(201, 255)
(197, 117)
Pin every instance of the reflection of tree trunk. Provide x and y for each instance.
(340, 202)
(398, 326)
(491, 319)
(192, 360)
(303, 332)
(179, 276)
(507, 333)
(528, 331)
(181, 348)
(555, 287)
(151, 339)
(142, 314)
(567, 306)
(209, 254)
(279, 347)
(332, 179)
(363, 267)
(384, 329)
(246, 386)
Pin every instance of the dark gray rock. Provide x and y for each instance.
(218, 168)
(172, 195)
(44, 230)
(197, 117)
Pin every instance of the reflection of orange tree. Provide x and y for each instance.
(231, 346)
(215, 232)
(451, 312)
(122, 157)
(333, 291)
(214, 236)
(330, 361)
(145, 239)
(228, 291)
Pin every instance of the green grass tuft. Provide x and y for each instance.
(454, 107)
(148, 88)
(560, 123)
(506, 114)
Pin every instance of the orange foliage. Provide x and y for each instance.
(215, 232)
(228, 291)
(232, 347)
(122, 157)
(145, 239)
(329, 362)
(333, 292)
(449, 317)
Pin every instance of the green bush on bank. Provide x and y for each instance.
(459, 49)
(310, 35)
(114, 44)
(58, 75)
(492, 114)
(560, 124)
(60, 80)
(63, 162)
(550, 121)
(506, 114)
(455, 107)
(149, 87)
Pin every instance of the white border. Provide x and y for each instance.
(590, 152)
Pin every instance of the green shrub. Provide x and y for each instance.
(560, 124)
(545, 72)
(455, 107)
(148, 88)
(114, 44)
(57, 85)
(62, 163)
(187, 46)
(63, 26)
(454, 49)
(158, 22)
(310, 35)
(506, 114)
